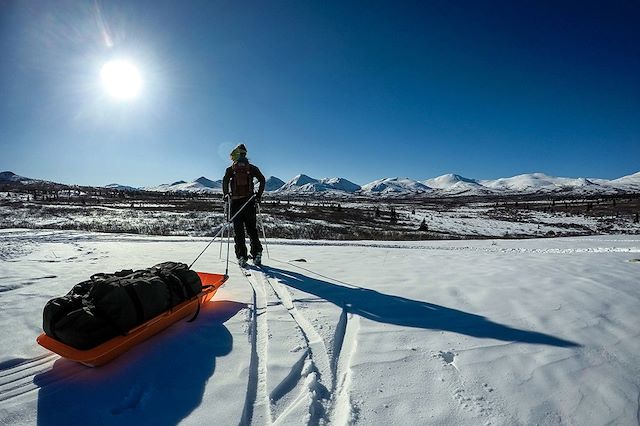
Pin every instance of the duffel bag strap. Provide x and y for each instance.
(193, 318)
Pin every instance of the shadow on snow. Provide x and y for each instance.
(397, 310)
(159, 382)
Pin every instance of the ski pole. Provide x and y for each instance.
(264, 234)
(228, 235)
(222, 229)
(226, 216)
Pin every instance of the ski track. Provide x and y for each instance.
(329, 393)
(20, 379)
(319, 353)
(22, 365)
(345, 344)
(318, 370)
(289, 383)
(257, 409)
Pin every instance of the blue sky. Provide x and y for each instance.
(360, 90)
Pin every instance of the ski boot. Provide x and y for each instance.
(257, 259)
(242, 262)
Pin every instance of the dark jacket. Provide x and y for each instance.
(255, 173)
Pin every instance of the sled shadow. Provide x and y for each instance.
(397, 310)
(160, 382)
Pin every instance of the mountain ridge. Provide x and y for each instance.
(445, 185)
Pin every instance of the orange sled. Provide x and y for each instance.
(115, 347)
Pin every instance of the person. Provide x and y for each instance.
(238, 185)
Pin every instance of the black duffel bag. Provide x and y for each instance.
(109, 305)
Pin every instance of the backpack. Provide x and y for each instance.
(242, 180)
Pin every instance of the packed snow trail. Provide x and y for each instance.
(309, 400)
(345, 345)
(320, 378)
(257, 405)
(316, 370)
(344, 348)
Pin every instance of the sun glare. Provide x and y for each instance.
(121, 79)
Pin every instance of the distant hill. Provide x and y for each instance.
(447, 185)
(305, 185)
(273, 184)
(12, 177)
(395, 187)
(201, 185)
(119, 187)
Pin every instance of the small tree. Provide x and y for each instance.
(636, 219)
(423, 226)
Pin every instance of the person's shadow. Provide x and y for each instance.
(397, 310)
(160, 382)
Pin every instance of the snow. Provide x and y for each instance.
(12, 177)
(394, 186)
(303, 184)
(273, 184)
(341, 184)
(202, 185)
(449, 180)
(401, 333)
(536, 182)
(119, 187)
(208, 182)
(630, 183)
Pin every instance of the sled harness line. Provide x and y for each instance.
(224, 226)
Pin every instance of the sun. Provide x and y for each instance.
(121, 79)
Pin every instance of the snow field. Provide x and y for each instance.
(401, 333)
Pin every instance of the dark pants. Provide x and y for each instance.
(246, 218)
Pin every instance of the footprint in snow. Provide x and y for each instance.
(135, 398)
(447, 357)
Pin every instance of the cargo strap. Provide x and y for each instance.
(193, 318)
(137, 303)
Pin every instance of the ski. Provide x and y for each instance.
(245, 271)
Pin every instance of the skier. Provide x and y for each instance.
(238, 185)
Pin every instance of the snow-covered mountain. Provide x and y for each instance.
(445, 185)
(341, 184)
(273, 184)
(539, 182)
(303, 184)
(201, 185)
(397, 187)
(453, 184)
(298, 181)
(629, 183)
(119, 187)
(12, 177)
(208, 183)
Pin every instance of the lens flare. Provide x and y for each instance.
(121, 79)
